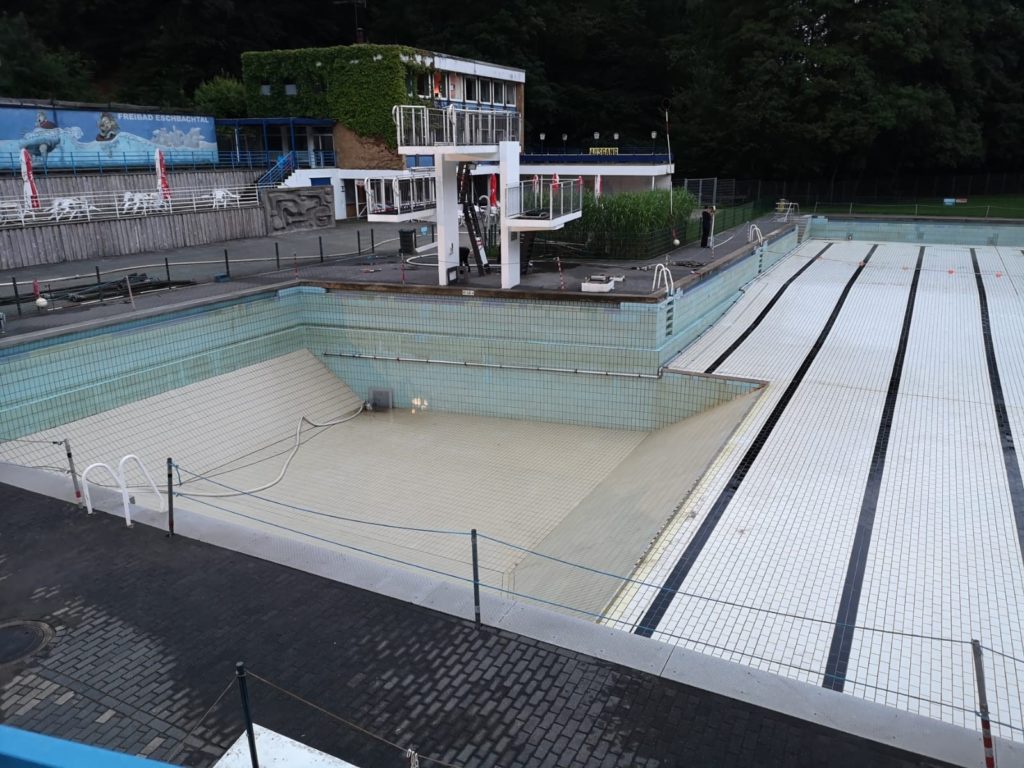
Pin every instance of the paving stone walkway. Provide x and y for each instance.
(147, 631)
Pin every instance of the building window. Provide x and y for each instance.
(499, 93)
(440, 86)
(291, 89)
(423, 85)
(454, 87)
(485, 91)
(265, 89)
(510, 94)
(470, 89)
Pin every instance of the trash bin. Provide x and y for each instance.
(407, 241)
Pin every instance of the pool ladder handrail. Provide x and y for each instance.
(755, 231)
(662, 275)
(121, 482)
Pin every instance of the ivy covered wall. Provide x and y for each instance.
(357, 85)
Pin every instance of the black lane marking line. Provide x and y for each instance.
(656, 612)
(1013, 476)
(846, 616)
(768, 308)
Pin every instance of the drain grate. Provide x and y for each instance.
(20, 639)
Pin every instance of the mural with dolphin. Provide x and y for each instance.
(79, 138)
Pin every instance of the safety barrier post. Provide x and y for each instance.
(986, 725)
(277, 254)
(99, 282)
(170, 497)
(372, 247)
(476, 580)
(167, 269)
(227, 264)
(74, 474)
(243, 689)
(17, 298)
(359, 242)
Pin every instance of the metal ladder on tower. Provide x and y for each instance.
(476, 242)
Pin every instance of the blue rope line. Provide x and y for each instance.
(328, 541)
(1004, 655)
(321, 514)
(730, 603)
(815, 672)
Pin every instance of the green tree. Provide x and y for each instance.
(221, 97)
(31, 69)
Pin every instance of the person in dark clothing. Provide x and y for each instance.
(705, 226)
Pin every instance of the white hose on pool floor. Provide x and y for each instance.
(287, 462)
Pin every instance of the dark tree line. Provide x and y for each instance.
(754, 88)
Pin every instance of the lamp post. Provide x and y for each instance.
(654, 137)
(542, 137)
(565, 137)
(355, 8)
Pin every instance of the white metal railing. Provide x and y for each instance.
(545, 199)
(431, 126)
(99, 206)
(120, 478)
(400, 195)
(662, 279)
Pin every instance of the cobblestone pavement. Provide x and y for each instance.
(147, 631)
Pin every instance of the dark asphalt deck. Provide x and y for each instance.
(148, 630)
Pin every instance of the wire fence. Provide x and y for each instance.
(926, 673)
(921, 672)
(119, 283)
(648, 245)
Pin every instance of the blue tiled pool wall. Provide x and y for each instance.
(693, 311)
(404, 332)
(45, 384)
(42, 386)
(949, 233)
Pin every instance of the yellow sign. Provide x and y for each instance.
(604, 150)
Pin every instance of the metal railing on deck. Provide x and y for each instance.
(547, 199)
(429, 126)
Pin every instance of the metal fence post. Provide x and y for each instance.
(227, 264)
(986, 725)
(167, 268)
(170, 497)
(74, 474)
(372, 246)
(243, 689)
(320, 239)
(277, 254)
(359, 242)
(476, 580)
(17, 298)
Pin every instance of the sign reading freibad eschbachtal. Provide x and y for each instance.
(83, 138)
